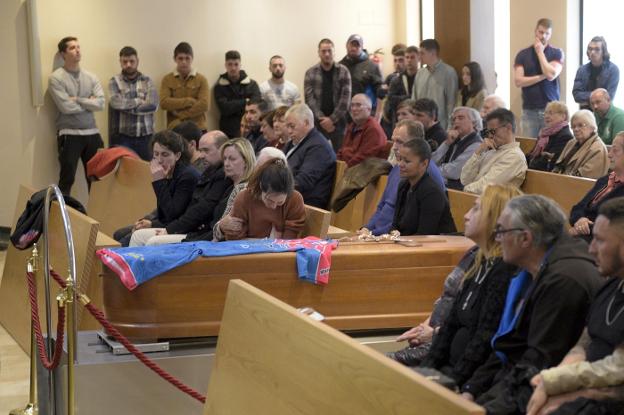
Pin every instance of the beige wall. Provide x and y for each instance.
(258, 29)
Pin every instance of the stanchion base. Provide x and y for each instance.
(30, 409)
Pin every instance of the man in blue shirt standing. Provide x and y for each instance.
(536, 71)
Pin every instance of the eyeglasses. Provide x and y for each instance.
(487, 132)
(578, 126)
(596, 49)
(499, 231)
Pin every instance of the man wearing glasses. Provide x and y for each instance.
(546, 303)
(499, 159)
(599, 72)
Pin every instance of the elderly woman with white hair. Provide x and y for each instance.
(586, 155)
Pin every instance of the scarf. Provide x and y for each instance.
(614, 181)
(544, 136)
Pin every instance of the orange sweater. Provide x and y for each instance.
(259, 220)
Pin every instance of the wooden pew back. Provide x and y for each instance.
(341, 168)
(361, 208)
(123, 196)
(460, 202)
(565, 190)
(526, 143)
(317, 222)
(296, 365)
(14, 303)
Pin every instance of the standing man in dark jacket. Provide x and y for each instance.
(366, 76)
(546, 303)
(231, 92)
(310, 157)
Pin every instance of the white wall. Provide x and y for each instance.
(258, 29)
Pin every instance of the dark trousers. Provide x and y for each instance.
(139, 145)
(335, 136)
(72, 148)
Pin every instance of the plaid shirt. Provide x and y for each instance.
(132, 105)
(313, 87)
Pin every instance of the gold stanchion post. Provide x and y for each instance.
(31, 406)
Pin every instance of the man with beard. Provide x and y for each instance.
(277, 91)
(133, 101)
(254, 109)
(327, 89)
(536, 71)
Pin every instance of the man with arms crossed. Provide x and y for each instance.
(77, 94)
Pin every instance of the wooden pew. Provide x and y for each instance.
(526, 143)
(123, 196)
(565, 190)
(317, 222)
(341, 167)
(295, 365)
(371, 286)
(14, 303)
(361, 208)
(461, 203)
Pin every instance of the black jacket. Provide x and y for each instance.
(423, 209)
(313, 164)
(209, 191)
(463, 343)
(556, 143)
(364, 74)
(584, 208)
(552, 318)
(173, 195)
(231, 98)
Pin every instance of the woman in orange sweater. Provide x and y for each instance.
(270, 207)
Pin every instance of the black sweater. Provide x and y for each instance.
(463, 343)
(422, 209)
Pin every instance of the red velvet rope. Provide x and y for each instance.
(36, 325)
(99, 316)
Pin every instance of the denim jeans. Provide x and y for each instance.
(532, 122)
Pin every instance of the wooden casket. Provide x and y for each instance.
(371, 286)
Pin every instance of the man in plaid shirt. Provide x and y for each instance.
(133, 101)
(327, 87)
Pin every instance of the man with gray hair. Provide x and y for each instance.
(461, 142)
(546, 303)
(491, 103)
(310, 157)
(364, 137)
(499, 159)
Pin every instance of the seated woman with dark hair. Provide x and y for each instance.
(270, 207)
(584, 213)
(173, 180)
(552, 138)
(422, 208)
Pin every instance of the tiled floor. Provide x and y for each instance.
(14, 368)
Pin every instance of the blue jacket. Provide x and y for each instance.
(608, 79)
(313, 164)
(381, 222)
